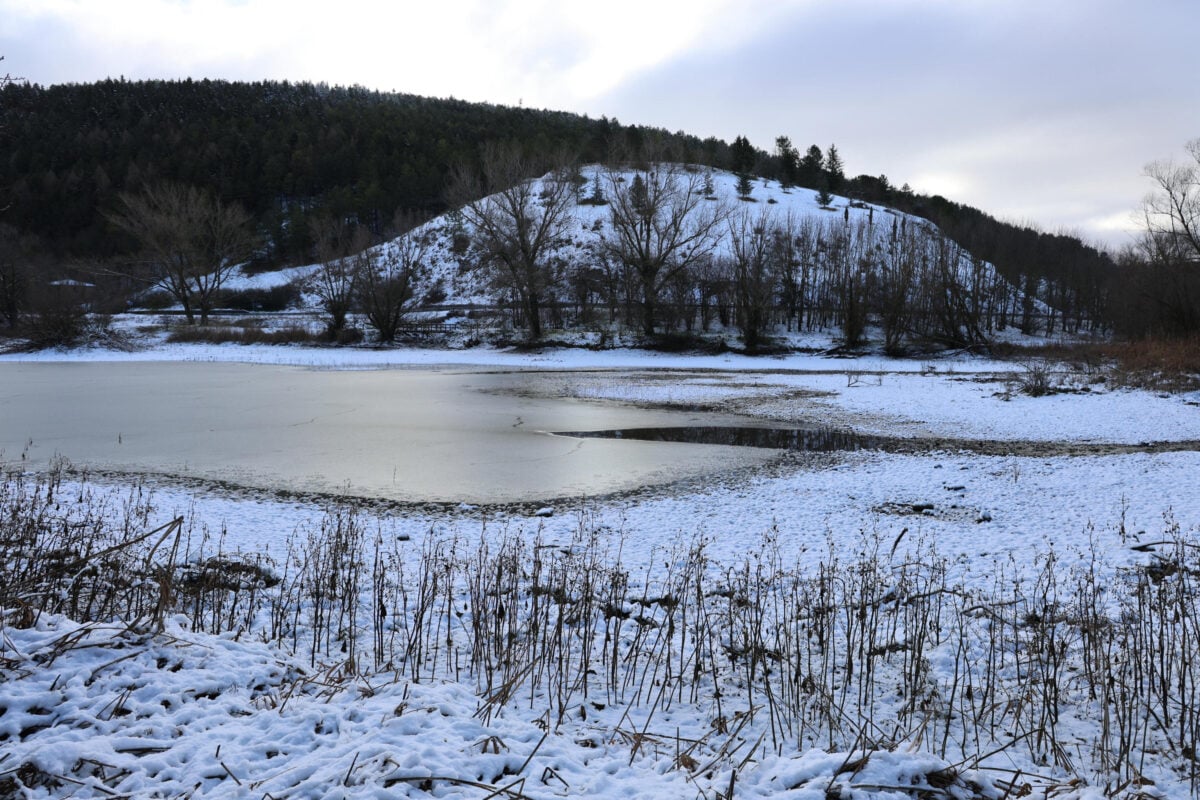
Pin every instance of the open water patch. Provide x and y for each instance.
(821, 440)
(829, 440)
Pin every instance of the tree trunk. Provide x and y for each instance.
(533, 310)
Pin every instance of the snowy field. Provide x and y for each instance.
(1077, 489)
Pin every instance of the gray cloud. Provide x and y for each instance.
(1034, 110)
(1040, 112)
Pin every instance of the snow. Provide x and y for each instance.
(453, 271)
(224, 716)
(136, 709)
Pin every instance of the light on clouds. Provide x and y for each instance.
(1032, 111)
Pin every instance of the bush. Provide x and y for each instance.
(227, 334)
(60, 319)
(57, 326)
(275, 298)
(435, 295)
(344, 335)
(1171, 365)
(156, 300)
(1036, 381)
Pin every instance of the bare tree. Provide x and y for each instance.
(387, 279)
(662, 225)
(518, 223)
(1170, 243)
(1172, 212)
(897, 285)
(752, 237)
(191, 242)
(335, 281)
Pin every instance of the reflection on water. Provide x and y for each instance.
(811, 439)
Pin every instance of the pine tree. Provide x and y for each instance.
(744, 186)
(639, 197)
(789, 161)
(742, 156)
(812, 167)
(824, 198)
(833, 165)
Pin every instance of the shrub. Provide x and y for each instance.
(275, 298)
(155, 301)
(227, 334)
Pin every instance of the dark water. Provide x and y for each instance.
(810, 439)
(826, 440)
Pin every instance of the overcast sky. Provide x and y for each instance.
(1038, 111)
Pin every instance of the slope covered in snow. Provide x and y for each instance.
(841, 252)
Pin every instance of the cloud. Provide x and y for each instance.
(549, 52)
(1029, 110)
(1021, 107)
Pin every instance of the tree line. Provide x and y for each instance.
(286, 152)
(671, 256)
(291, 155)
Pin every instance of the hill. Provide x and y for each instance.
(290, 153)
(285, 151)
(711, 255)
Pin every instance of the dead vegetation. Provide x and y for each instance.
(248, 331)
(1165, 365)
(868, 648)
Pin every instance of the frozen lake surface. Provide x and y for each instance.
(407, 435)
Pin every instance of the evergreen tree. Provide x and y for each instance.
(812, 167)
(833, 166)
(742, 156)
(744, 186)
(639, 197)
(596, 198)
(789, 161)
(824, 198)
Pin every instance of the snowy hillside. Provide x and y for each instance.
(592, 223)
(818, 264)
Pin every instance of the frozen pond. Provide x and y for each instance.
(407, 435)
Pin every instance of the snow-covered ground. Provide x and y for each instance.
(178, 713)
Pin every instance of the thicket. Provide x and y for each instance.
(673, 260)
(866, 646)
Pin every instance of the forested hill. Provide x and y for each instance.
(287, 151)
(281, 149)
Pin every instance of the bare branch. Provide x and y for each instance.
(662, 225)
(191, 241)
(518, 223)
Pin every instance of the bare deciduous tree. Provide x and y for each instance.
(899, 274)
(1170, 242)
(518, 222)
(335, 281)
(662, 224)
(1172, 212)
(387, 280)
(191, 242)
(755, 271)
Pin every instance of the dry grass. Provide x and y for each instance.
(1171, 365)
(244, 334)
(862, 648)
